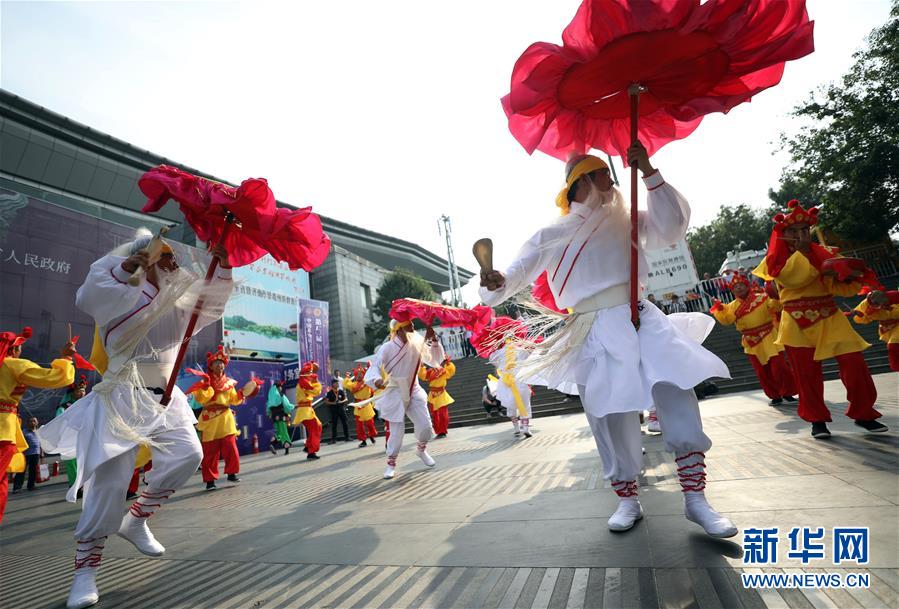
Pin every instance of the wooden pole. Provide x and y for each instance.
(192, 323)
(634, 93)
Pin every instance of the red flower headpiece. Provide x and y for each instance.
(219, 355)
(309, 368)
(81, 383)
(796, 215)
(8, 340)
(737, 277)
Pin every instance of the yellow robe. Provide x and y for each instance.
(761, 315)
(360, 392)
(305, 396)
(16, 375)
(216, 420)
(888, 332)
(438, 396)
(828, 336)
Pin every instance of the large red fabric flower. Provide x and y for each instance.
(407, 309)
(692, 58)
(293, 236)
(488, 339)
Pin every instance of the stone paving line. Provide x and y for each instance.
(498, 523)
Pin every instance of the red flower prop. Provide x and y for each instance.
(293, 236)
(692, 58)
(407, 309)
(492, 337)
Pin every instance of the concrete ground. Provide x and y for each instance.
(499, 522)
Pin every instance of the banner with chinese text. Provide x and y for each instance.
(262, 317)
(314, 345)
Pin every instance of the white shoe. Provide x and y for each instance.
(698, 510)
(137, 532)
(653, 426)
(628, 513)
(389, 472)
(84, 589)
(426, 458)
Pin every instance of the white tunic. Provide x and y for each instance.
(503, 391)
(586, 255)
(401, 361)
(86, 430)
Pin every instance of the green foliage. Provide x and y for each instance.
(733, 224)
(398, 284)
(845, 156)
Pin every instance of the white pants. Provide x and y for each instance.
(421, 420)
(617, 435)
(104, 497)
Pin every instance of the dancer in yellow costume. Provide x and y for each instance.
(439, 398)
(365, 414)
(308, 389)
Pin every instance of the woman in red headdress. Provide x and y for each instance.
(217, 393)
(309, 388)
(754, 311)
(812, 327)
(365, 414)
(16, 376)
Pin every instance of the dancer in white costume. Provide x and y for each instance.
(139, 329)
(400, 359)
(512, 392)
(619, 370)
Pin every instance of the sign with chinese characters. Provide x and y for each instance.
(261, 318)
(314, 345)
(671, 270)
(46, 251)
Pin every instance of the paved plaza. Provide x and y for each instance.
(499, 523)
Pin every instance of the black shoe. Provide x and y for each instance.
(372, 440)
(873, 426)
(363, 444)
(312, 456)
(527, 434)
(130, 496)
(305, 450)
(233, 478)
(272, 448)
(790, 398)
(79, 494)
(287, 449)
(775, 402)
(820, 431)
(210, 486)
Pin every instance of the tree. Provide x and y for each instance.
(733, 224)
(845, 158)
(398, 284)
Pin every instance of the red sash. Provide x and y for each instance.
(9, 408)
(806, 312)
(753, 336)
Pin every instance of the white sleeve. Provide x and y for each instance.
(531, 260)
(105, 293)
(215, 297)
(667, 216)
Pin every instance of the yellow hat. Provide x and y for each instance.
(582, 167)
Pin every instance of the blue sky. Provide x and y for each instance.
(380, 114)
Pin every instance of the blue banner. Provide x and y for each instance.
(313, 335)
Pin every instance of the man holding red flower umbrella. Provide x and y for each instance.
(618, 369)
(141, 302)
(812, 327)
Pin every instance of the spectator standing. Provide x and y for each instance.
(676, 305)
(490, 402)
(336, 401)
(32, 457)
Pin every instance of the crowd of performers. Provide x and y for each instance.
(581, 339)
